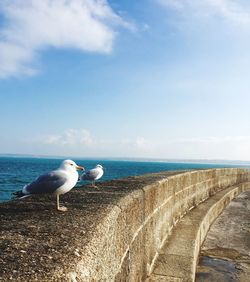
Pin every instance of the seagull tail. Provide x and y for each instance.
(20, 195)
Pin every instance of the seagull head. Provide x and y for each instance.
(99, 166)
(71, 165)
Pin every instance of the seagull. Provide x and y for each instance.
(57, 182)
(93, 174)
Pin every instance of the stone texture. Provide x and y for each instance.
(167, 265)
(225, 254)
(178, 257)
(113, 234)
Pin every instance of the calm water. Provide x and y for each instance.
(16, 172)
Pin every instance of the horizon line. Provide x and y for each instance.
(126, 158)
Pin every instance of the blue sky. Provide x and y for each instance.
(152, 78)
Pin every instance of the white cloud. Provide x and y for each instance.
(69, 138)
(73, 137)
(31, 26)
(14, 60)
(82, 143)
(142, 143)
(231, 11)
(136, 144)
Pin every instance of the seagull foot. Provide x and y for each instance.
(62, 209)
(96, 187)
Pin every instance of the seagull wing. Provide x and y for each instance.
(47, 183)
(90, 174)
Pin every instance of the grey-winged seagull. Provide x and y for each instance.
(57, 182)
(93, 174)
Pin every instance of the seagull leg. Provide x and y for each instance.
(63, 209)
(94, 186)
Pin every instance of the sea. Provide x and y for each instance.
(15, 172)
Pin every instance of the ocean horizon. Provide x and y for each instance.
(17, 171)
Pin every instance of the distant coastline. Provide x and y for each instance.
(136, 159)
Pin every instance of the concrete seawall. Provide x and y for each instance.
(114, 234)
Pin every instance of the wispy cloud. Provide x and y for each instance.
(139, 144)
(70, 137)
(231, 11)
(176, 4)
(207, 147)
(31, 26)
(214, 139)
(82, 142)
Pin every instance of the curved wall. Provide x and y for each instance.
(126, 244)
(113, 234)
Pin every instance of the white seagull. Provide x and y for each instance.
(93, 174)
(57, 182)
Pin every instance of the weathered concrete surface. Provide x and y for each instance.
(225, 254)
(178, 257)
(109, 235)
(37, 243)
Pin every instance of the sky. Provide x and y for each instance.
(149, 79)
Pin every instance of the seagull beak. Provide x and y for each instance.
(80, 167)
